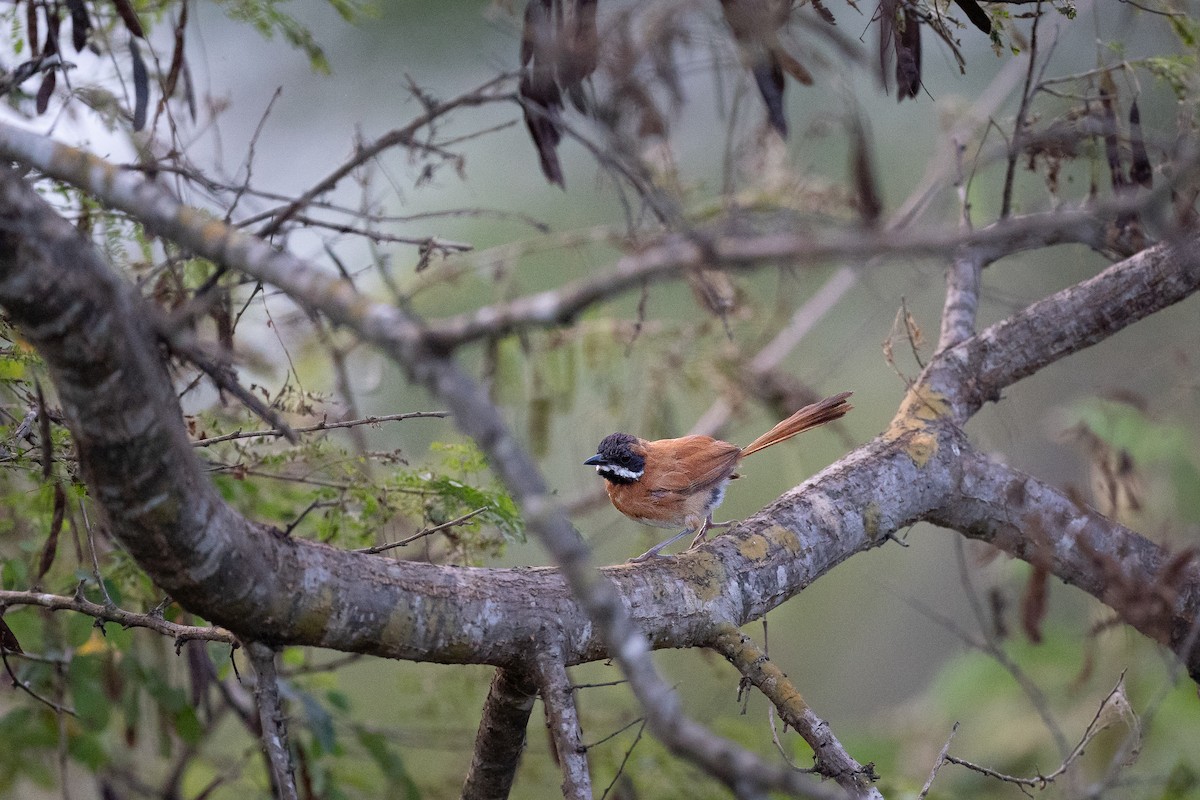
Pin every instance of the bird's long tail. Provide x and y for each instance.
(809, 417)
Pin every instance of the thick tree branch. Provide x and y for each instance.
(1154, 591)
(978, 369)
(501, 737)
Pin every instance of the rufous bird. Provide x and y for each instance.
(670, 483)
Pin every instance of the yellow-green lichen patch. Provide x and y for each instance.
(921, 447)
(399, 627)
(920, 406)
(784, 694)
(759, 545)
(754, 547)
(313, 613)
(704, 572)
(870, 518)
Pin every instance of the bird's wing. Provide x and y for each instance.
(692, 464)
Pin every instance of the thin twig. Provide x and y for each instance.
(1026, 95)
(405, 137)
(379, 548)
(274, 723)
(937, 764)
(25, 687)
(87, 526)
(615, 733)
(320, 426)
(109, 612)
(624, 760)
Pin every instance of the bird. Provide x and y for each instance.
(669, 483)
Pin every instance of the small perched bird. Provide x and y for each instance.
(672, 482)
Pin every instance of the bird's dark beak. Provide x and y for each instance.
(595, 460)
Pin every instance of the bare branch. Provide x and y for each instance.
(937, 764)
(379, 548)
(25, 687)
(126, 619)
(962, 300)
(1115, 707)
(832, 760)
(1155, 592)
(674, 254)
(320, 426)
(404, 137)
(501, 738)
(976, 370)
(274, 723)
(562, 718)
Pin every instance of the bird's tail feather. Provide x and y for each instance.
(809, 417)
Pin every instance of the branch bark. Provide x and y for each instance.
(274, 723)
(562, 720)
(975, 371)
(1153, 590)
(832, 760)
(501, 737)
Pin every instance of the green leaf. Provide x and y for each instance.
(85, 676)
(87, 749)
(319, 722)
(187, 725)
(79, 629)
(389, 762)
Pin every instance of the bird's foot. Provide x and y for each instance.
(701, 536)
(654, 552)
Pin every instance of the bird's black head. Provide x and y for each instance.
(617, 459)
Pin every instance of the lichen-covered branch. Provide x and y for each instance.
(976, 370)
(832, 760)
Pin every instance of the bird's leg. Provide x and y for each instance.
(705, 528)
(654, 551)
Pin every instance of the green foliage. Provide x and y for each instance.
(1178, 72)
(270, 18)
(1144, 446)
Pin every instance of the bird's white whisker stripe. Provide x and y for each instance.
(619, 472)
